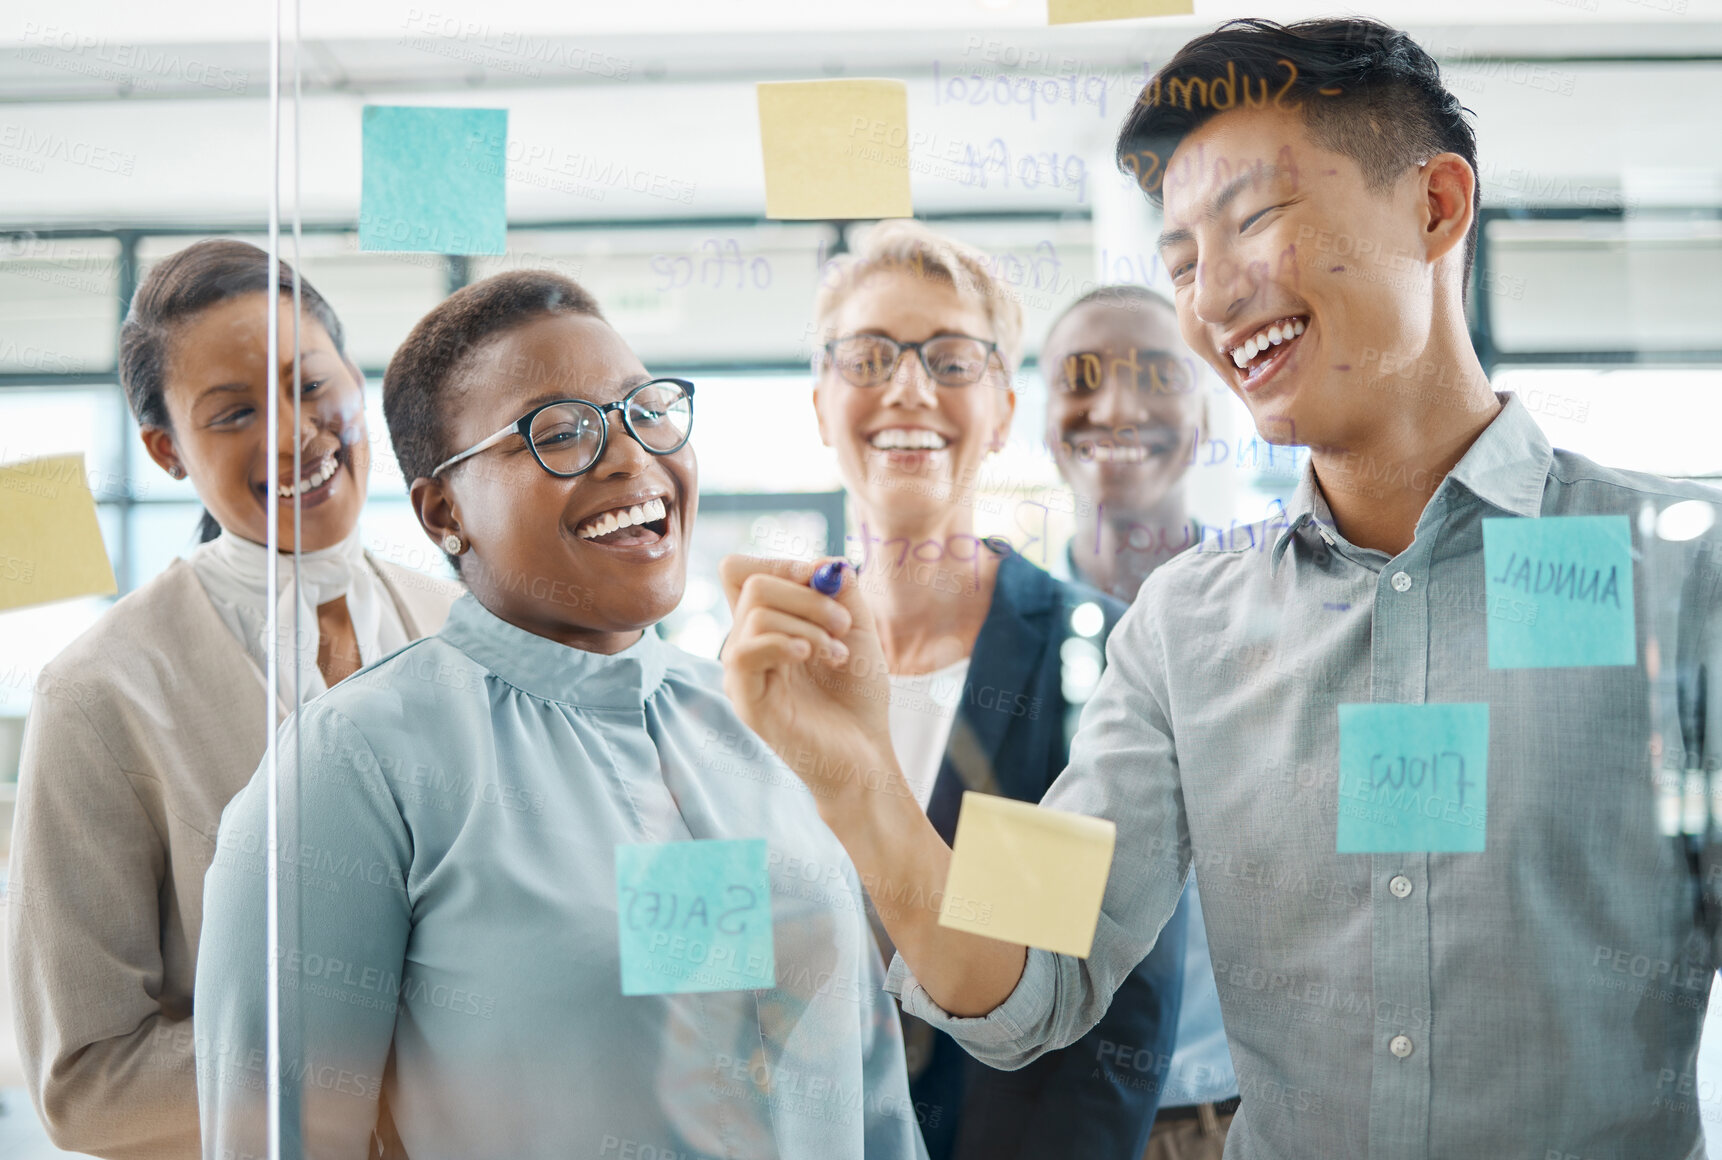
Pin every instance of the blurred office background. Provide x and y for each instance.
(128, 131)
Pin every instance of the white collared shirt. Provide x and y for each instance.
(232, 570)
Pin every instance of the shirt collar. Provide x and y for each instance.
(1307, 507)
(1507, 465)
(541, 667)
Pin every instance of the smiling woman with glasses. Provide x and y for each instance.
(986, 652)
(495, 780)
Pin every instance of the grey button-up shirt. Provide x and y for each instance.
(1540, 999)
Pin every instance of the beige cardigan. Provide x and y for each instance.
(140, 732)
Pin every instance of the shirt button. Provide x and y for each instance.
(1400, 886)
(1399, 1045)
(1401, 582)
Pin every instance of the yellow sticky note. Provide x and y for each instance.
(835, 149)
(50, 544)
(1027, 875)
(1083, 11)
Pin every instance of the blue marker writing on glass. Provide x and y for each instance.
(828, 577)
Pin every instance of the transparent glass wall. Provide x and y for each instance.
(631, 164)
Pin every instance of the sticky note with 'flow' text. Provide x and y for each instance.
(1413, 778)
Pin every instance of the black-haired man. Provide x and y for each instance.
(1496, 944)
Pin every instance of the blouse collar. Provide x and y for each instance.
(541, 667)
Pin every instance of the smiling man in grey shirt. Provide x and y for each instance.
(1502, 950)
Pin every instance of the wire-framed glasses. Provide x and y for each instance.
(568, 436)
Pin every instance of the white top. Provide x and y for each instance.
(922, 708)
(233, 570)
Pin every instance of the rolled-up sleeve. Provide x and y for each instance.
(1123, 766)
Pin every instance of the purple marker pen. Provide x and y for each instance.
(828, 577)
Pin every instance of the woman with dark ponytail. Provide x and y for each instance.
(121, 788)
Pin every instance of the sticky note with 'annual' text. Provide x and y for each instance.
(1413, 778)
(835, 149)
(1026, 874)
(694, 916)
(50, 541)
(1083, 11)
(1577, 573)
(434, 180)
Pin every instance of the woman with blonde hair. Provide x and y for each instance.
(913, 392)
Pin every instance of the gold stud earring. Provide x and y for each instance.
(453, 544)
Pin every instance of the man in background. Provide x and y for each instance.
(1123, 412)
(1122, 409)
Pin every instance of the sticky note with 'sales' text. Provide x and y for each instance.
(694, 916)
(835, 149)
(50, 541)
(1026, 874)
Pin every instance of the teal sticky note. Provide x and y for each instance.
(694, 916)
(1576, 573)
(433, 180)
(1413, 778)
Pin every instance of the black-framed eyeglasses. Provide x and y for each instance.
(568, 436)
(950, 360)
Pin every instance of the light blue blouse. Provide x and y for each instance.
(451, 858)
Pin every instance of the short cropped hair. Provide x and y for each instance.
(441, 347)
(1366, 90)
(1118, 296)
(907, 246)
